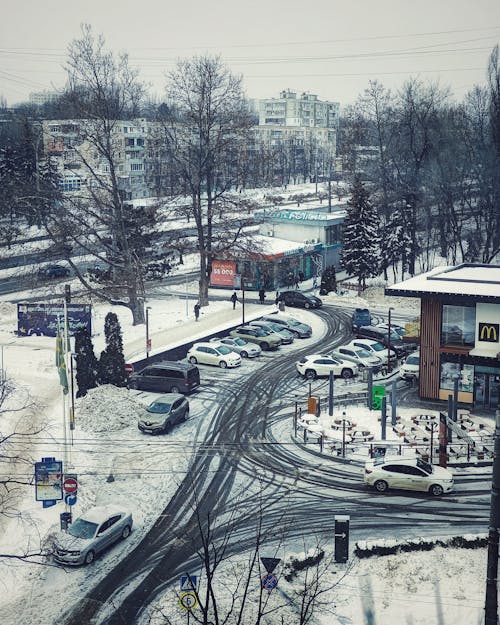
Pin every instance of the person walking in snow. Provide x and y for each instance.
(262, 296)
(234, 299)
(196, 311)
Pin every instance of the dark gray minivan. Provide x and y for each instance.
(167, 377)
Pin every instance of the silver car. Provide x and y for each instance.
(163, 413)
(240, 346)
(285, 335)
(297, 328)
(90, 534)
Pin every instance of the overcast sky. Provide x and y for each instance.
(328, 47)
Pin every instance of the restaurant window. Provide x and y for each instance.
(458, 326)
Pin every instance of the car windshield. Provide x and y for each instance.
(362, 353)
(240, 342)
(294, 322)
(222, 349)
(159, 407)
(425, 466)
(412, 360)
(82, 529)
(260, 332)
(377, 347)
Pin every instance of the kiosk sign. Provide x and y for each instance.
(48, 480)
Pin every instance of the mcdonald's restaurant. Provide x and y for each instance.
(459, 332)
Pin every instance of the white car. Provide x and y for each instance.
(320, 365)
(374, 347)
(213, 354)
(407, 474)
(411, 367)
(90, 534)
(358, 355)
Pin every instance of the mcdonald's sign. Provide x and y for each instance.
(488, 332)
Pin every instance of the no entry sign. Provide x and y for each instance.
(70, 485)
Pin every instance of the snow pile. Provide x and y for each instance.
(107, 409)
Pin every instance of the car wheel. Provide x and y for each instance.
(346, 373)
(436, 490)
(307, 305)
(126, 531)
(265, 346)
(192, 360)
(295, 334)
(90, 557)
(167, 428)
(311, 374)
(132, 386)
(381, 486)
(243, 354)
(186, 414)
(174, 389)
(223, 364)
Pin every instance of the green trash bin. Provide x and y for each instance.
(377, 393)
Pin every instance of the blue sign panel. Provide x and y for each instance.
(188, 583)
(42, 319)
(70, 499)
(269, 582)
(48, 481)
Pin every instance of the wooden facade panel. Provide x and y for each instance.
(431, 311)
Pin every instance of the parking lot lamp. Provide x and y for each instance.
(148, 340)
(389, 341)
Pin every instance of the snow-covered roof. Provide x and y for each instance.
(477, 281)
(273, 246)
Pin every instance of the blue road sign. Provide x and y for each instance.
(188, 582)
(269, 582)
(70, 499)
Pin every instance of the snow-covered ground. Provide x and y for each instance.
(416, 588)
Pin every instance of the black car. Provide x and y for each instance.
(299, 299)
(382, 336)
(166, 377)
(53, 271)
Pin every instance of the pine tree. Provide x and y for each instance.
(112, 361)
(87, 365)
(397, 242)
(360, 255)
(328, 280)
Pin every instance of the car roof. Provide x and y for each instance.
(363, 340)
(101, 513)
(167, 398)
(204, 344)
(170, 364)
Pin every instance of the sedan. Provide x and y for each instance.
(90, 534)
(252, 334)
(407, 474)
(273, 328)
(213, 354)
(239, 346)
(319, 365)
(297, 298)
(163, 413)
(297, 328)
(53, 271)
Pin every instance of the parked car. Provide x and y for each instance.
(407, 474)
(360, 356)
(274, 328)
(382, 336)
(296, 327)
(361, 317)
(166, 377)
(163, 413)
(394, 326)
(410, 369)
(53, 271)
(252, 334)
(90, 534)
(239, 346)
(320, 365)
(374, 348)
(302, 300)
(213, 354)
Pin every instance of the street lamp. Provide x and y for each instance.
(389, 341)
(148, 340)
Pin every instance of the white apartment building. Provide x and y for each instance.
(305, 110)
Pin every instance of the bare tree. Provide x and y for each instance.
(206, 128)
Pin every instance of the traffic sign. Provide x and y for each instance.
(70, 499)
(188, 582)
(269, 582)
(188, 600)
(270, 564)
(129, 368)
(70, 485)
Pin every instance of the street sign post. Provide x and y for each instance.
(269, 582)
(189, 582)
(341, 538)
(270, 564)
(188, 600)
(70, 499)
(70, 484)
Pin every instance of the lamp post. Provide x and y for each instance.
(148, 340)
(389, 341)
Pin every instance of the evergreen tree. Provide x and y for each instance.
(112, 361)
(328, 280)
(360, 254)
(87, 365)
(397, 242)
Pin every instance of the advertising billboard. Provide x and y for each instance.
(42, 319)
(222, 273)
(48, 480)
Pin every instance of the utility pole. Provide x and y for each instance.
(491, 602)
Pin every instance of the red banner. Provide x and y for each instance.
(222, 273)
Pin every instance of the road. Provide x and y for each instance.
(302, 492)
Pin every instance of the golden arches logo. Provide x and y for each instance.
(488, 332)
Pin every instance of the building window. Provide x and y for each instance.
(458, 326)
(451, 370)
(135, 166)
(333, 234)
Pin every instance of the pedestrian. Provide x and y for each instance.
(262, 296)
(196, 311)
(277, 299)
(301, 276)
(234, 299)
(315, 282)
(296, 282)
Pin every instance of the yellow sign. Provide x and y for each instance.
(188, 600)
(488, 332)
